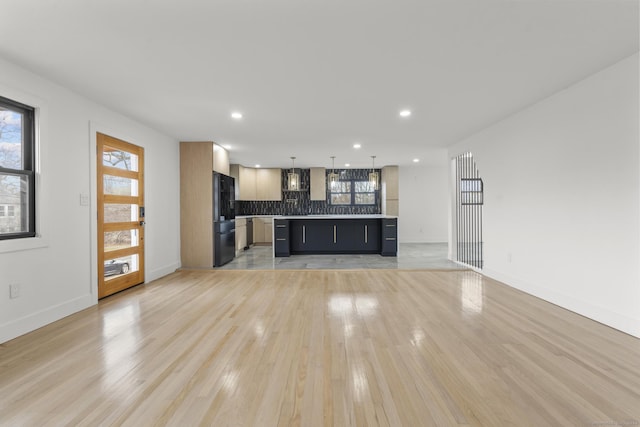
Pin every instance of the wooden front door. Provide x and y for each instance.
(120, 215)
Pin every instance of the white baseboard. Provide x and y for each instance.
(31, 322)
(23, 325)
(606, 316)
(161, 272)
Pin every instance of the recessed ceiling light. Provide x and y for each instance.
(405, 113)
(257, 166)
(236, 115)
(356, 146)
(347, 164)
(416, 160)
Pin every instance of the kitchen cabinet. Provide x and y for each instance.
(390, 191)
(362, 236)
(247, 183)
(318, 185)
(257, 183)
(241, 234)
(258, 230)
(268, 231)
(220, 159)
(269, 184)
(389, 237)
(262, 229)
(312, 236)
(334, 236)
(281, 245)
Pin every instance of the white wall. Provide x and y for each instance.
(562, 196)
(57, 271)
(424, 201)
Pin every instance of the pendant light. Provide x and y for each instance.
(294, 178)
(373, 175)
(333, 176)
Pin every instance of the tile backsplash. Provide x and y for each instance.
(300, 203)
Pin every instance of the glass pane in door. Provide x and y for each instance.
(116, 212)
(114, 240)
(120, 186)
(120, 266)
(120, 159)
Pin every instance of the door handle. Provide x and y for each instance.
(366, 234)
(334, 234)
(142, 223)
(304, 234)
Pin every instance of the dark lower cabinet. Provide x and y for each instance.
(335, 236)
(358, 236)
(371, 232)
(312, 236)
(281, 237)
(296, 241)
(389, 237)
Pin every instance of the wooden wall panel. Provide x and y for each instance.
(196, 204)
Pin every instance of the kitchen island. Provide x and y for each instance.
(335, 234)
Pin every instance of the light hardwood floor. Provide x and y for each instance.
(342, 348)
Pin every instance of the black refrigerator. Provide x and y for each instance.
(224, 223)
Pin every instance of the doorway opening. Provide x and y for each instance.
(467, 221)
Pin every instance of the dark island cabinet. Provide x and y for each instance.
(389, 237)
(281, 237)
(371, 232)
(312, 236)
(358, 236)
(335, 236)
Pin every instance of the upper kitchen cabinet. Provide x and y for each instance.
(220, 160)
(390, 194)
(318, 184)
(269, 184)
(257, 184)
(247, 184)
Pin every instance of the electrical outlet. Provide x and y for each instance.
(84, 199)
(14, 291)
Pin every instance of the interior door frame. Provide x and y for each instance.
(123, 133)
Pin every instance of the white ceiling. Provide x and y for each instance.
(314, 76)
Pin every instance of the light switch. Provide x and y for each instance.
(84, 199)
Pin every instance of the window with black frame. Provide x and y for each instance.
(353, 192)
(471, 191)
(17, 174)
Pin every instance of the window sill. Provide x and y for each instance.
(17, 245)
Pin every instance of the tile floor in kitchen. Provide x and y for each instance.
(410, 256)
